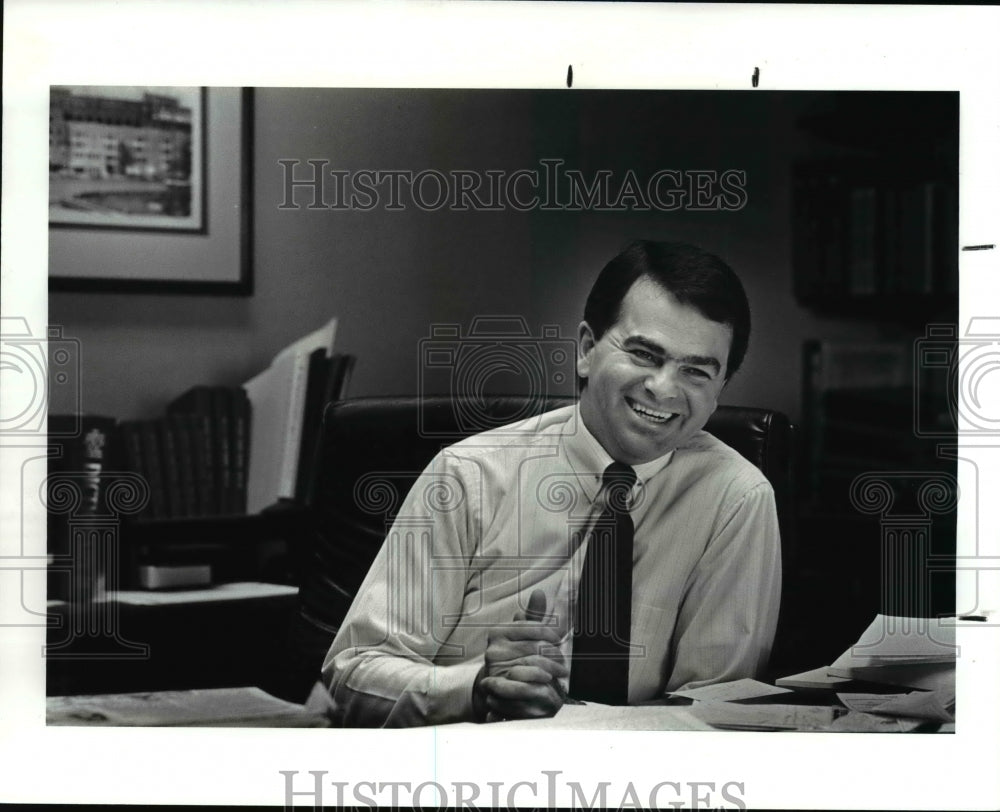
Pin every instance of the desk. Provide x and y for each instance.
(781, 717)
(213, 707)
(250, 707)
(227, 635)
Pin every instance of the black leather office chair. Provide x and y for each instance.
(371, 451)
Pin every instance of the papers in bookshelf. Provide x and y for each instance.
(220, 592)
(277, 401)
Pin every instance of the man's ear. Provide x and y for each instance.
(584, 349)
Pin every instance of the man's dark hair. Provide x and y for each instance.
(695, 278)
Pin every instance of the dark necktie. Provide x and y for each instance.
(603, 617)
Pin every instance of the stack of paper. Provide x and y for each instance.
(740, 690)
(277, 403)
(914, 654)
(734, 716)
(904, 651)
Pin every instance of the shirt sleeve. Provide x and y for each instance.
(390, 664)
(727, 620)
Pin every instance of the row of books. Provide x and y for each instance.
(860, 232)
(195, 457)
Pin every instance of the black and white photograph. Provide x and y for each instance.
(126, 157)
(150, 189)
(560, 440)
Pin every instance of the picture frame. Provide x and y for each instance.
(127, 158)
(207, 252)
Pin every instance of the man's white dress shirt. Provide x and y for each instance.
(492, 518)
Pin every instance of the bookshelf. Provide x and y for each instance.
(188, 475)
(875, 238)
(247, 547)
(874, 208)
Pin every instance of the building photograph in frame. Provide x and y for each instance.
(127, 158)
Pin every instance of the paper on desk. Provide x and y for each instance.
(891, 640)
(816, 678)
(594, 716)
(934, 706)
(221, 707)
(731, 691)
(734, 716)
(926, 677)
(221, 592)
(857, 722)
(865, 703)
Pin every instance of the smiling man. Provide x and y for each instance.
(609, 551)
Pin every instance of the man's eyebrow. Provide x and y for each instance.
(646, 343)
(702, 361)
(694, 360)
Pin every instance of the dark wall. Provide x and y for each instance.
(390, 275)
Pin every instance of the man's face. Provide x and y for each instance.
(654, 378)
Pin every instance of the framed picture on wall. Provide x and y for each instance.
(150, 189)
(127, 157)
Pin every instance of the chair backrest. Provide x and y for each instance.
(371, 452)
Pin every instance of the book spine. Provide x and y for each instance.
(196, 400)
(240, 447)
(201, 452)
(199, 401)
(133, 459)
(183, 430)
(153, 455)
(171, 468)
(291, 447)
(222, 414)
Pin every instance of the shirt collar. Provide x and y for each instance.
(589, 459)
